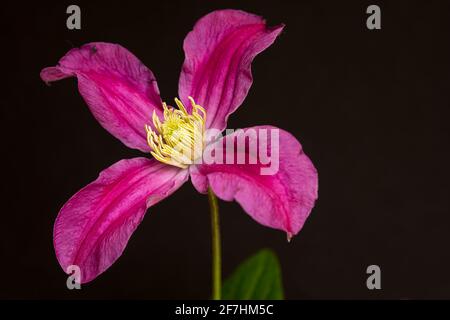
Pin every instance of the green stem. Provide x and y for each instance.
(216, 247)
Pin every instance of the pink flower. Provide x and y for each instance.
(94, 226)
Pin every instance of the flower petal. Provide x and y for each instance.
(282, 197)
(120, 90)
(93, 227)
(217, 68)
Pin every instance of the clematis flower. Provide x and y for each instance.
(94, 226)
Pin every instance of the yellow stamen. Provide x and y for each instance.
(178, 139)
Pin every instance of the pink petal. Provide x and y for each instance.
(120, 91)
(282, 200)
(93, 227)
(217, 68)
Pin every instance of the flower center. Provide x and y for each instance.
(178, 139)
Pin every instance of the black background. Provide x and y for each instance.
(371, 109)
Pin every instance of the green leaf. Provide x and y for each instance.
(258, 278)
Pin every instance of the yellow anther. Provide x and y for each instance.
(178, 139)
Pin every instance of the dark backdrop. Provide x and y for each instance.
(371, 109)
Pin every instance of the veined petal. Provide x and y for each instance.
(93, 227)
(120, 90)
(217, 68)
(282, 197)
